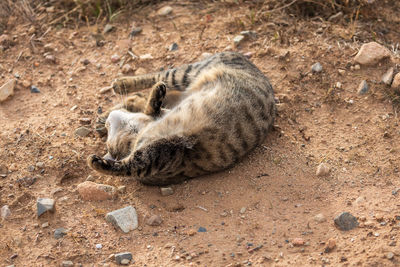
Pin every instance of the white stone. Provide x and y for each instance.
(371, 53)
(320, 218)
(126, 218)
(5, 212)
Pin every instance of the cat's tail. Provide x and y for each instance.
(175, 79)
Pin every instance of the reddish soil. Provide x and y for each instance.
(356, 136)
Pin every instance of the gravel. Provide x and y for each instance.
(5, 212)
(60, 232)
(166, 191)
(83, 131)
(316, 68)
(363, 87)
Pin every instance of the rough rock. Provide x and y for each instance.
(60, 232)
(387, 78)
(7, 89)
(154, 220)
(371, 53)
(123, 256)
(44, 204)
(346, 221)
(5, 212)
(50, 58)
(316, 68)
(125, 219)
(92, 191)
(396, 81)
(363, 88)
(320, 218)
(164, 11)
(26, 181)
(82, 131)
(322, 170)
(201, 229)
(390, 255)
(166, 191)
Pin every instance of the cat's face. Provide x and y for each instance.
(123, 128)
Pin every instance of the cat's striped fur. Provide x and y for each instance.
(225, 110)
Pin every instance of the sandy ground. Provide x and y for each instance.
(252, 213)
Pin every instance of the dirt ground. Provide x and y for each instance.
(262, 211)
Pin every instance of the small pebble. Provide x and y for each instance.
(396, 81)
(164, 11)
(298, 242)
(115, 58)
(50, 58)
(121, 189)
(322, 170)
(316, 68)
(123, 256)
(390, 256)
(238, 39)
(85, 61)
(173, 47)
(82, 131)
(357, 67)
(371, 53)
(320, 218)
(363, 87)
(45, 225)
(166, 191)
(59, 233)
(67, 264)
(242, 210)
(387, 78)
(34, 89)
(341, 71)
(99, 246)
(202, 230)
(135, 31)
(108, 28)
(44, 205)
(360, 200)
(154, 220)
(126, 68)
(5, 212)
(338, 85)
(95, 192)
(330, 245)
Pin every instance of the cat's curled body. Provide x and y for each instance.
(225, 109)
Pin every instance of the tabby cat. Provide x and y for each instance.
(222, 108)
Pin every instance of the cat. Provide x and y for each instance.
(222, 108)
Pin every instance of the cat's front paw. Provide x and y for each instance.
(99, 164)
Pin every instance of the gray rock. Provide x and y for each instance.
(166, 191)
(123, 256)
(363, 88)
(44, 205)
(108, 28)
(387, 78)
(173, 47)
(82, 131)
(67, 264)
(26, 181)
(346, 221)
(316, 68)
(7, 89)
(5, 212)
(60, 232)
(126, 219)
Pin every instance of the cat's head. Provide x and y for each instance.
(123, 128)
